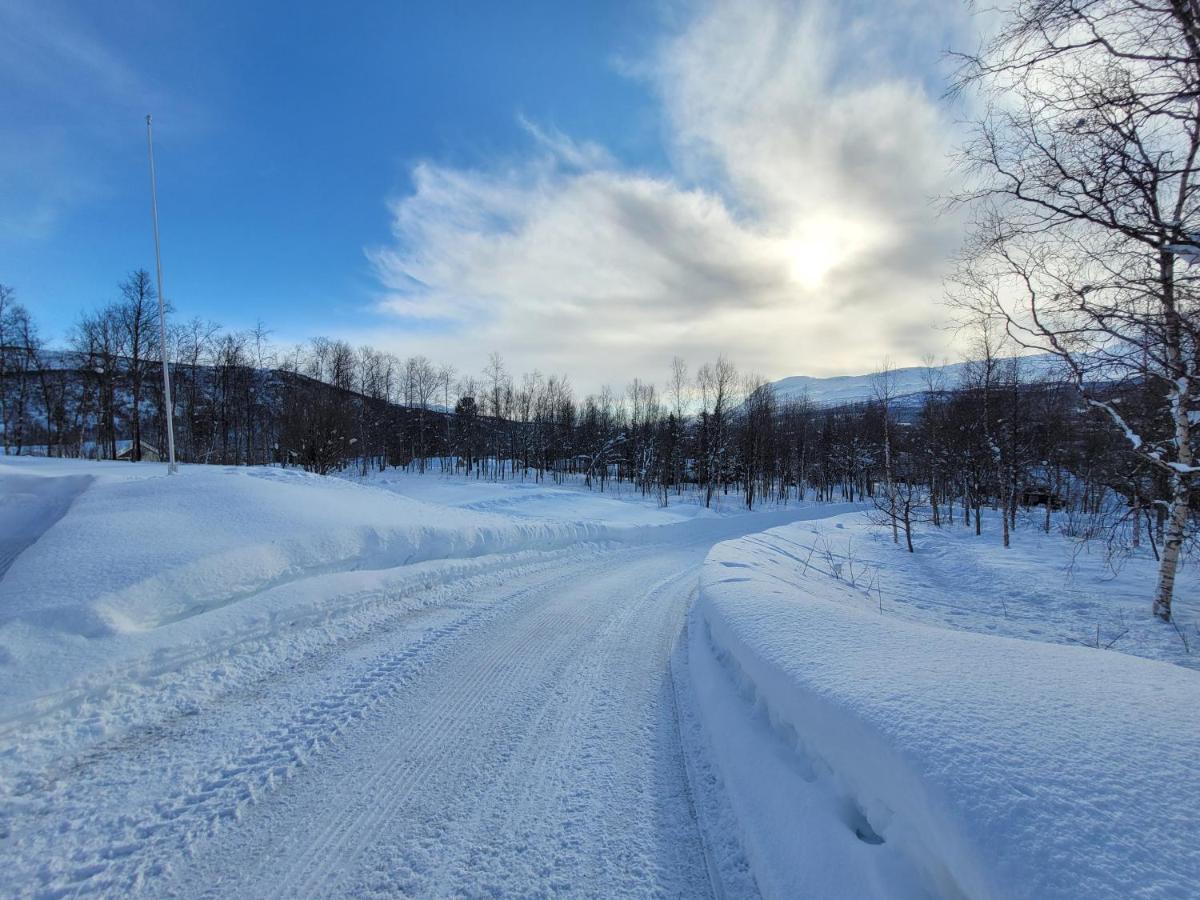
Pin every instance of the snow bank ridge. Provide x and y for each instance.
(137, 554)
(206, 584)
(867, 756)
(116, 574)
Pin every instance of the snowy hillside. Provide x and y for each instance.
(908, 383)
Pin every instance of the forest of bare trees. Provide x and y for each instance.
(996, 439)
(1082, 176)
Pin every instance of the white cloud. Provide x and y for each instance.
(798, 233)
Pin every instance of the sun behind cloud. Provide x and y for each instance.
(800, 188)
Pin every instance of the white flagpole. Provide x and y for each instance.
(172, 468)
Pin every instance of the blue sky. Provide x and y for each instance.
(451, 178)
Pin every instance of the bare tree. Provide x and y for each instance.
(423, 379)
(759, 450)
(679, 388)
(900, 508)
(99, 348)
(883, 385)
(19, 355)
(1084, 169)
(716, 383)
(136, 316)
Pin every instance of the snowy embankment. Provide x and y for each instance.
(112, 575)
(863, 755)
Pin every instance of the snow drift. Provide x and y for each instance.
(107, 564)
(867, 756)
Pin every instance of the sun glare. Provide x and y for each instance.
(820, 245)
(812, 257)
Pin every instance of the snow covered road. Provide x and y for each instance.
(517, 735)
(534, 754)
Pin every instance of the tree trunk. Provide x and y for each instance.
(1172, 544)
(887, 468)
(1181, 494)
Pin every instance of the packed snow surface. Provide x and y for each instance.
(256, 682)
(864, 754)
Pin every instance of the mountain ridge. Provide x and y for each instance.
(909, 382)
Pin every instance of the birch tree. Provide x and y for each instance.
(1082, 173)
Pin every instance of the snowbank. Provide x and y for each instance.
(103, 564)
(864, 755)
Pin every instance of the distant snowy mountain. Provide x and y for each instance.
(908, 383)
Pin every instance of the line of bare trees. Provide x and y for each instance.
(1002, 438)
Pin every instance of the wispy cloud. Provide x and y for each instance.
(44, 47)
(796, 232)
(39, 180)
(69, 98)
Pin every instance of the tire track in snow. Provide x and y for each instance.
(532, 765)
(536, 758)
(446, 718)
(452, 709)
(588, 797)
(729, 873)
(147, 843)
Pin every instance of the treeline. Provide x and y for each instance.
(996, 440)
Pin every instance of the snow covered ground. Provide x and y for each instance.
(115, 572)
(570, 500)
(1043, 588)
(256, 682)
(875, 737)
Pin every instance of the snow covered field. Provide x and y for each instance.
(256, 682)
(571, 500)
(1043, 588)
